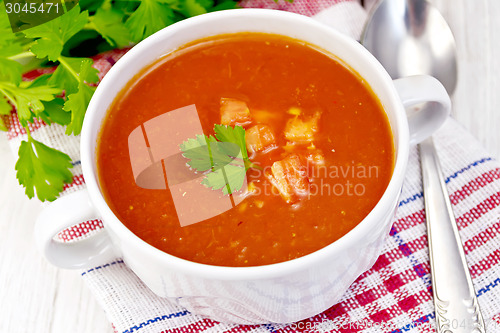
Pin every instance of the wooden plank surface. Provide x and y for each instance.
(37, 297)
(476, 101)
(34, 295)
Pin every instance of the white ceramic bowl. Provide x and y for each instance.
(278, 293)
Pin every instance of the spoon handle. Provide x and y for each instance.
(455, 302)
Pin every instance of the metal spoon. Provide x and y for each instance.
(411, 37)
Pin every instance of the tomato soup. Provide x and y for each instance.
(316, 150)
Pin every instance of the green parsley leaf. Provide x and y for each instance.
(10, 45)
(229, 178)
(7, 37)
(77, 102)
(109, 23)
(54, 112)
(70, 4)
(27, 98)
(206, 3)
(198, 141)
(198, 153)
(40, 81)
(206, 153)
(67, 75)
(42, 169)
(149, 17)
(194, 7)
(5, 109)
(11, 70)
(227, 159)
(92, 5)
(53, 34)
(235, 135)
(13, 47)
(223, 5)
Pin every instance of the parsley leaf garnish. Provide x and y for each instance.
(235, 135)
(42, 169)
(226, 159)
(229, 178)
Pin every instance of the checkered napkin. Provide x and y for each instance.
(393, 296)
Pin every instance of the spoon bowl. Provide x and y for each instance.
(410, 37)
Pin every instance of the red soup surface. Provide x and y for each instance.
(319, 144)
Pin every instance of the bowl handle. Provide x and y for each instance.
(61, 214)
(423, 119)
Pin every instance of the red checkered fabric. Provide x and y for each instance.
(304, 7)
(393, 296)
(79, 231)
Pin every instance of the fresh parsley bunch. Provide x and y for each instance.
(62, 97)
